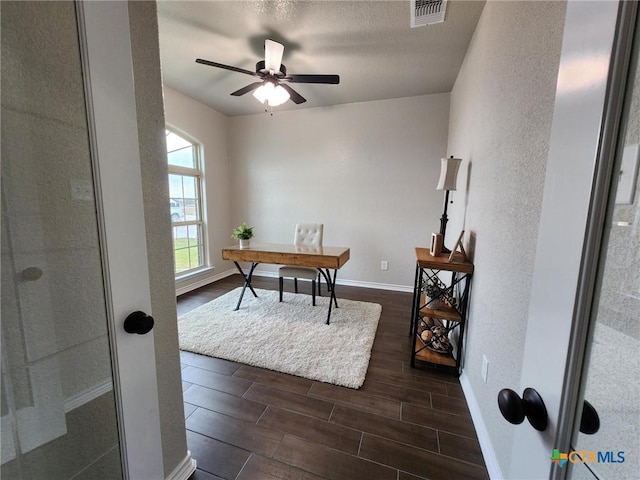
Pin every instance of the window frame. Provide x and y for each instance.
(197, 173)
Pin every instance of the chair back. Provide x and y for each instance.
(308, 235)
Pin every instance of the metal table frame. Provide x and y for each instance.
(324, 259)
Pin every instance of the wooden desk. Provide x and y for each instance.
(322, 258)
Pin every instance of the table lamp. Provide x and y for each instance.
(448, 175)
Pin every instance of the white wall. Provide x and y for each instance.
(501, 111)
(368, 171)
(209, 128)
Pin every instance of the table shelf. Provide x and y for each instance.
(422, 353)
(454, 280)
(445, 312)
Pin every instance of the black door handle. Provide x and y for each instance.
(138, 322)
(514, 409)
(590, 421)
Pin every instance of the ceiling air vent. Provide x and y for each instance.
(427, 12)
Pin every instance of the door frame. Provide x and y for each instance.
(600, 213)
(115, 156)
(589, 63)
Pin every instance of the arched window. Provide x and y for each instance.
(186, 209)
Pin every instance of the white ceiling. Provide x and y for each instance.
(370, 44)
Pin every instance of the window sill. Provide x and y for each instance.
(192, 280)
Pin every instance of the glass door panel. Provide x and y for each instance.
(57, 403)
(612, 381)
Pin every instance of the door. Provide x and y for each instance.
(610, 418)
(590, 92)
(79, 395)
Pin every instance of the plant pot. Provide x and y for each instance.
(244, 243)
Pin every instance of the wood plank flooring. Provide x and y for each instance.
(249, 423)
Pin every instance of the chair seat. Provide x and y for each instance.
(299, 272)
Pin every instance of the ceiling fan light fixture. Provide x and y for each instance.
(271, 93)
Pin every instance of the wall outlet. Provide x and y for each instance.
(485, 368)
(384, 265)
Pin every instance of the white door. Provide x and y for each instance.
(607, 426)
(582, 148)
(79, 394)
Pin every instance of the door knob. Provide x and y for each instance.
(138, 322)
(514, 409)
(31, 273)
(590, 421)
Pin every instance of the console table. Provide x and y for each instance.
(438, 321)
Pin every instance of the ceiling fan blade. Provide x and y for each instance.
(273, 52)
(330, 79)
(247, 89)
(295, 96)
(226, 67)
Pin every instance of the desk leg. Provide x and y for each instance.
(332, 298)
(247, 282)
(327, 278)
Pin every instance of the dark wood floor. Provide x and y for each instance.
(402, 424)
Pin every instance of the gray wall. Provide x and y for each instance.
(501, 111)
(149, 104)
(368, 171)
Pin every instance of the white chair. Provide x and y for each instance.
(307, 235)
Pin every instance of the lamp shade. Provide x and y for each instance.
(448, 173)
(271, 93)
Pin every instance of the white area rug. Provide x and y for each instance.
(290, 337)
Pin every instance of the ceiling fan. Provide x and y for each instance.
(272, 88)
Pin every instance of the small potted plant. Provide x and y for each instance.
(433, 293)
(243, 233)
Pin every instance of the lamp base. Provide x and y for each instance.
(445, 250)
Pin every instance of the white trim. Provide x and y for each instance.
(488, 452)
(184, 469)
(379, 286)
(88, 395)
(201, 282)
(269, 274)
(351, 283)
(111, 115)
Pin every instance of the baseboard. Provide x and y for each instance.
(184, 469)
(201, 282)
(350, 283)
(488, 452)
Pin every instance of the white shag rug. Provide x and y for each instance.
(290, 337)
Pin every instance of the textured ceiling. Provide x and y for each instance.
(370, 44)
